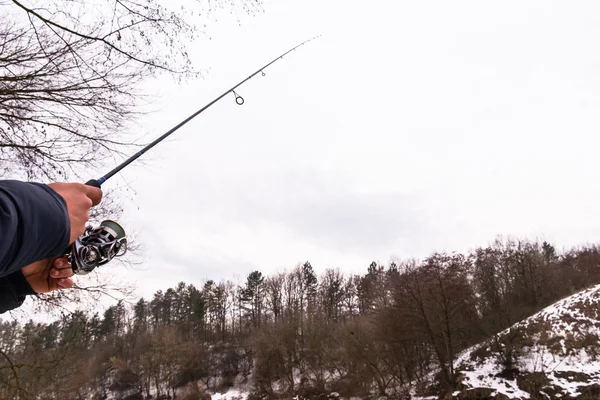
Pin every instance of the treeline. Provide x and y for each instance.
(296, 332)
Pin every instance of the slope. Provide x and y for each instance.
(552, 354)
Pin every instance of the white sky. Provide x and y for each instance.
(407, 127)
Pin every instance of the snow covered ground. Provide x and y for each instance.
(230, 395)
(559, 351)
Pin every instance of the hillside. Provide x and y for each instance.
(552, 354)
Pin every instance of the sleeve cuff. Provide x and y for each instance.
(19, 282)
(14, 288)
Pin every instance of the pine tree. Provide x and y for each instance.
(252, 296)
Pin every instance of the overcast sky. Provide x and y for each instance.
(406, 128)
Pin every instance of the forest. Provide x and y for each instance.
(395, 328)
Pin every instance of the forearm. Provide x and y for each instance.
(34, 224)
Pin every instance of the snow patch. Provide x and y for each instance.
(230, 395)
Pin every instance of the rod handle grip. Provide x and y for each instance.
(94, 183)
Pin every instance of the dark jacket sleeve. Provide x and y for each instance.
(34, 225)
(13, 289)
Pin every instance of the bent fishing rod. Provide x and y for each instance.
(98, 246)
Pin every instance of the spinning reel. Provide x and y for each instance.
(97, 246)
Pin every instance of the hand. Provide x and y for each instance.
(48, 275)
(79, 198)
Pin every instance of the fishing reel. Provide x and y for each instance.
(97, 246)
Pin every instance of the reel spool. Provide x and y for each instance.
(97, 246)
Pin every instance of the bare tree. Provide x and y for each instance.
(332, 294)
(435, 300)
(274, 295)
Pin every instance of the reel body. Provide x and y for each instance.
(97, 246)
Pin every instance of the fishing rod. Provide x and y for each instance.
(98, 246)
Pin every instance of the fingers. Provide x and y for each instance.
(62, 262)
(47, 275)
(94, 194)
(61, 274)
(64, 283)
(61, 269)
(79, 199)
